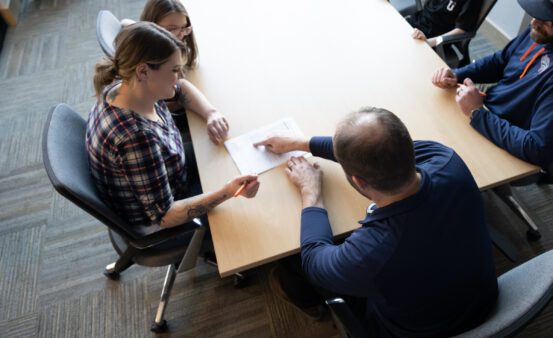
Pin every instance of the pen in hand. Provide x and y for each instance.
(239, 190)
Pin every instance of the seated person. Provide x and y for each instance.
(517, 113)
(422, 261)
(135, 151)
(171, 15)
(444, 17)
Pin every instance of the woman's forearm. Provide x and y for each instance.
(186, 210)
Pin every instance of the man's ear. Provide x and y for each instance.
(359, 182)
(142, 71)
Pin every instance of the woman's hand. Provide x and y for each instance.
(245, 185)
(217, 127)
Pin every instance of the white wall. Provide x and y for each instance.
(506, 16)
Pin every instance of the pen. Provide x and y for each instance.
(479, 92)
(239, 191)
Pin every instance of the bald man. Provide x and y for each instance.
(422, 261)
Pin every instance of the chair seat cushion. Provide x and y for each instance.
(523, 292)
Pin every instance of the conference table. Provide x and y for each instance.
(315, 61)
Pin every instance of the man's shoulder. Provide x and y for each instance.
(432, 152)
(438, 160)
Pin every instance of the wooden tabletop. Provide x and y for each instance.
(315, 61)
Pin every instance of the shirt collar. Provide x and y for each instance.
(402, 206)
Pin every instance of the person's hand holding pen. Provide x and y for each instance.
(245, 185)
(469, 98)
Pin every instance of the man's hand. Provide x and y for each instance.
(308, 178)
(249, 191)
(284, 142)
(444, 78)
(469, 97)
(217, 127)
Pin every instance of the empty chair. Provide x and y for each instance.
(523, 292)
(107, 28)
(66, 163)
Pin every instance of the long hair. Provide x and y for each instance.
(141, 42)
(156, 10)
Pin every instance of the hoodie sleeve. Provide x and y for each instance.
(490, 68)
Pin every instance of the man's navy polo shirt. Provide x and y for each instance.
(423, 263)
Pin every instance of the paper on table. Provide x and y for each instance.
(250, 159)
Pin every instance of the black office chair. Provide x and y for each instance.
(107, 28)
(523, 292)
(454, 49)
(66, 163)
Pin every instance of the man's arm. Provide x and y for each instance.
(320, 146)
(534, 145)
(340, 268)
(490, 68)
(348, 268)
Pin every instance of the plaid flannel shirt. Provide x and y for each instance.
(138, 165)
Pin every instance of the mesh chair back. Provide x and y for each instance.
(107, 28)
(66, 163)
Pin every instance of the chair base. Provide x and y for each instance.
(112, 275)
(159, 328)
(511, 199)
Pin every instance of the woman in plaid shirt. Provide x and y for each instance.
(135, 151)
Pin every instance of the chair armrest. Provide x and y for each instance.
(346, 317)
(161, 236)
(449, 39)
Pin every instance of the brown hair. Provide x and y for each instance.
(141, 42)
(156, 10)
(375, 145)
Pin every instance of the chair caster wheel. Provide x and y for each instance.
(240, 281)
(111, 275)
(533, 235)
(159, 328)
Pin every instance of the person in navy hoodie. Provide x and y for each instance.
(517, 113)
(421, 264)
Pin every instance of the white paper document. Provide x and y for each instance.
(256, 160)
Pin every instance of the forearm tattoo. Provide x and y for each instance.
(200, 209)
